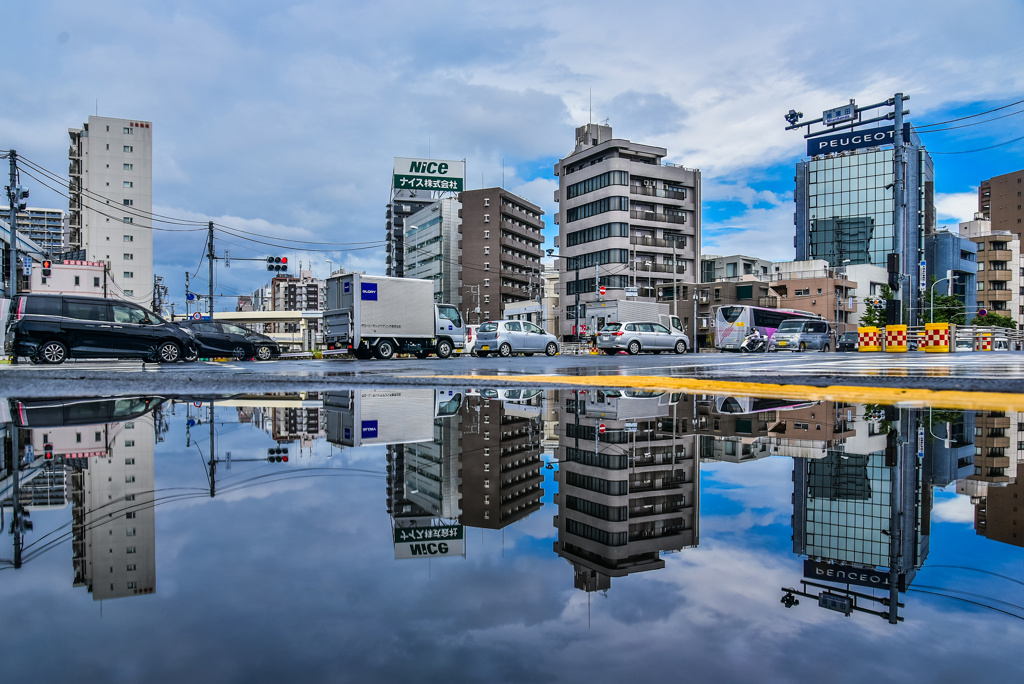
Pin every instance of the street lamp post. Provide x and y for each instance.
(330, 268)
(949, 291)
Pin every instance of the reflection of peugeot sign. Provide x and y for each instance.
(844, 574)
(872, 137)
(368, 291)
(369, 429)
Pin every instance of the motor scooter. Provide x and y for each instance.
(751, 343)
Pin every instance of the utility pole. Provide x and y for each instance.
(210, 257)
(900, 203)
(186, 294)
(12, 190)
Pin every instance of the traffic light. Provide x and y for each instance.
(892, 264)
(277, 263)
(277, 455)
(48, 452)
(46, 269)
(21, 197)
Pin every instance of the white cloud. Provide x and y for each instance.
(957, 206)
(956, 509)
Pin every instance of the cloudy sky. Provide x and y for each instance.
(284, 118)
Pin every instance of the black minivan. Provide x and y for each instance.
(49, 328)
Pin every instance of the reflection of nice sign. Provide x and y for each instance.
(429, 174)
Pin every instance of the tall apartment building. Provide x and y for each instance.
(502, 246)
(1000, 275)
(433, 249)
(1000, 200)
(111, 191)
(626, 218)
(404, 204)
(48, 228)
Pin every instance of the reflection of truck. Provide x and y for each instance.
(387, 416)
(601, 313)
(381, 316)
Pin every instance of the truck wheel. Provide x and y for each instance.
(633, 348)
(444, 349)
(505, 349)
(384, 350)
(551, 349)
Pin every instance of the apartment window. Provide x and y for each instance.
(129, 167)
(78, 437)
(487, 484)
(487, 218)
(981, 286)
(127, 148)
(129, 184)
(487, 282)
(129, 479)
(487, 314)
(108, 146)
(487, 234)
(487, 265)
(130, 549)
(487, 201)
(130, 567)
(108, 129)
(77, 280)
(127, 130)
(128, 219)
(129, 497)
(129, 238)
(96, 281)
(130, 515)
(487, 299)
(130, 532)
(487, 467)
(128, 256)
(487, 250)
(129, 274)
(97, 436)
(129, 203)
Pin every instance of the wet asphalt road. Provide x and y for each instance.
(977, 371)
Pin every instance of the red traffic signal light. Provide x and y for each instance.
(48, 452)
(277, 455)
(46, 268)
(277, 263)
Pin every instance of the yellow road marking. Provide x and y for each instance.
(954, 399)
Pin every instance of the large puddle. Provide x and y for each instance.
(508, 534)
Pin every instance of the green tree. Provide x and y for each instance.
(945, 308)
(993, 319)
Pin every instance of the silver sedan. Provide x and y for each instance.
(637, 336)
(505, 338)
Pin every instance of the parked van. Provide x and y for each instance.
(49, 328)
(800, 334)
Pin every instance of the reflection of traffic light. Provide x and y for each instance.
(46, 269)
(48, 452)
(277, 455)
(277, 263)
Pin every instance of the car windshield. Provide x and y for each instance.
(488, 327)
(848, 337)
(791, 326)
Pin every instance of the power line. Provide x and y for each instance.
(976, 123)
(982, 149)
(970, 116)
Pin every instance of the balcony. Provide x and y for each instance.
(657, 192)
(996, 295)
(768, 302)
(999, 255)
(645, 241)
(522, 245)
(655, 216)
(649, 267)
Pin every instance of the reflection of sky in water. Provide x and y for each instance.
(296, 577)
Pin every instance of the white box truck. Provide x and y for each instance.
(381, 316)
(387, 416)
(600, 313)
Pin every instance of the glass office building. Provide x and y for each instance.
(845, 205)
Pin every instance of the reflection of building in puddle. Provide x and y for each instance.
(287, 418)
(501, 474)
(420, 428)
(630, 493)
(994, 485)
(741, 429)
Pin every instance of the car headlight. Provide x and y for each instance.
(188, 331)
